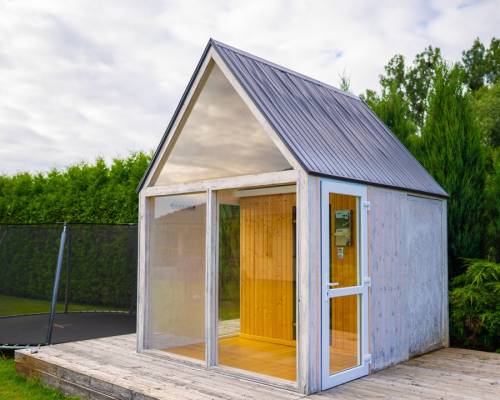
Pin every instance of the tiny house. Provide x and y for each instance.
(286, 235)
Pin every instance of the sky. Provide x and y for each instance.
(84, 79)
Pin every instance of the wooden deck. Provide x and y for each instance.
(109, 368)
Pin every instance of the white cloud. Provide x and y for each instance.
(83, 79)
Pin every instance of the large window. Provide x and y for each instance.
(256, 327)
(220, 138)
(176, 276)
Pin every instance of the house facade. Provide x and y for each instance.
(286, 235)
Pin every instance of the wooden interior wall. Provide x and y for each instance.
(345, 272)
(266, 262)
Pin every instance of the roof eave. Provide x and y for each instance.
(443, 196)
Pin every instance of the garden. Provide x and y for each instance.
(447, 114)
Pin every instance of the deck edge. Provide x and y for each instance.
(71, 382)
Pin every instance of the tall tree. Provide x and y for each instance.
(492, 203)
(451, 149)
(475, 65)
(493, 61)
(345, 82)
(481, 64)
(486, 104)
(394, 111)
(413, 82)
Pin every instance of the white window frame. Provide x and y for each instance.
(210, 187)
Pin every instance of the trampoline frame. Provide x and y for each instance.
(65, 236)
(14, 346)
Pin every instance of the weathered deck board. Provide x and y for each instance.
(109, 368)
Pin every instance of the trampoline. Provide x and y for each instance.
(93, 296)
(31, 330)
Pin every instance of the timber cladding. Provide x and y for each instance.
(267, 278)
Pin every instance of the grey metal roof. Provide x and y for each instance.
(329, 132)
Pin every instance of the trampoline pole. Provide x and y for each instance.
(68, 273)
(55, 289)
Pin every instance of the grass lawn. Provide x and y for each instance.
(228, 309)
(10, 305)
(16, 387)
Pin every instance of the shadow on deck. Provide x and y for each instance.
(109, 368)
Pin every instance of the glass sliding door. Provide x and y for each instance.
(256, 282)
(176, 275)
(345, 291)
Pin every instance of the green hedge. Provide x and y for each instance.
(82, 193)
(103, 257)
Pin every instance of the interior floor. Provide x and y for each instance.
(272, 359)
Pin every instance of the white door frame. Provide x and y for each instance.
(331, 186)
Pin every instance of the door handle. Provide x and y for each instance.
(332, 284)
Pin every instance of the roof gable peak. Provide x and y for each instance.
(215, 43)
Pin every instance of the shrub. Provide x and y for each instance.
(475, 306)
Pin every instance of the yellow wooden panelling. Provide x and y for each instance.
(266, 262)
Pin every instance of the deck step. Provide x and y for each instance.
(74, 383)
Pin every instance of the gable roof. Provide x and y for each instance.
(329, 132)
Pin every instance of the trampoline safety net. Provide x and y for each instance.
(96, 294)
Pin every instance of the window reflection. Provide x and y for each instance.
(177, 275)
(220, 138)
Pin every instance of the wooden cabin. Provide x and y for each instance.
(286, 235)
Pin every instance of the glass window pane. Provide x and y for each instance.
(344, 263)
(177, 275)
(220, 138)
(344, 333)
(257, 293)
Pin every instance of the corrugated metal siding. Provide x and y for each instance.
(329, 132)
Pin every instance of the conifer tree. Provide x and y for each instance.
(451, 150)
(393, 110)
